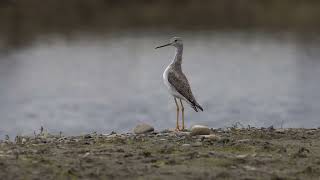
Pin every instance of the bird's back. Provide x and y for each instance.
(178, 84)
(171, 88)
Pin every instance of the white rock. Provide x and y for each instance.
(200, 130)
(249, 168)
(112, 135)
(86, 155)
(197, 144)
(182, 133)
(281, 131)
(244, 140)
(241, 156)
(211, 137)
(143, 128)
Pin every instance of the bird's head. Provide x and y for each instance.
(175, 41)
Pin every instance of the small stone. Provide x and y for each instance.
(143, 128)
(249, 168)
(197, 144)
(224, 140)
(167, 131)
(211, 137)
(199, 130)
(86, 155)
(185, 145)
(87, 136)
(311, 132)
(302, 153)
(182, 133)
(113, 132)
(128, 155)
(254, 155)
(281, 131)
(112, 135)
(146, 153)
(244, 140)
(242, 156)
(162, 135)
(120, 150)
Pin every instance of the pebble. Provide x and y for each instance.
(143, 128)
(281, 131)
(241, 156)
(86, 155)
(182, 133)
(244, 140)
(185, 145)
(211, 137)
(200, 130)
(166, 131)
(311, 132)
(112, 136)
(249, 168)
(24, 140)
(197, 144)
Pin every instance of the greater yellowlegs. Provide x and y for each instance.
(177, 82)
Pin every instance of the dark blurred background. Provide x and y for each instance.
(25, 20)
(79, 66)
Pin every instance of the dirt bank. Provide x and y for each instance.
(226, 154)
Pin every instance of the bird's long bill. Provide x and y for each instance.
(163, 46)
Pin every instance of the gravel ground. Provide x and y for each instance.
(232, 153)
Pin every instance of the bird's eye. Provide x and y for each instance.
(175, 40)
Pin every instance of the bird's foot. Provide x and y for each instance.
(177, 129)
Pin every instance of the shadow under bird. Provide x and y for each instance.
(176, 81)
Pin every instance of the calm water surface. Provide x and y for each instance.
(113, 82)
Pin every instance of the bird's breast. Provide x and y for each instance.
(171, 89)
(165, 77)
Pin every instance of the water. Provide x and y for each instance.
(105, 83)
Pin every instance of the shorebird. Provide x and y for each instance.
(176, 81)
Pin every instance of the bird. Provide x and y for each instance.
(177, 83)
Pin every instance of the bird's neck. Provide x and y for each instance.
(178, 57)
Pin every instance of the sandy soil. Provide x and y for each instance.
(226, 154)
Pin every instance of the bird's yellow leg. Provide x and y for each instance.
(182, 110)
(177, 125)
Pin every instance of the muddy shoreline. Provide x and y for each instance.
(232, 153)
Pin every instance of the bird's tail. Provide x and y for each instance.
(196, 106)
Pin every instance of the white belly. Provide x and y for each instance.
(171, 89)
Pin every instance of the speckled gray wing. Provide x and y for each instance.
(181, 84)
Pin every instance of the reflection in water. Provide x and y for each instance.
(112, 83)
